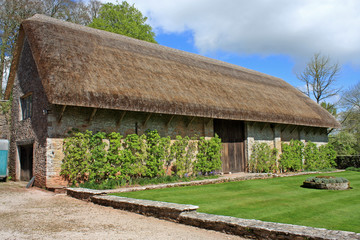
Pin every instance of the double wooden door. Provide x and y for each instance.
(232, 134)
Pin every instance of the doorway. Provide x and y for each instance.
(232, 134)
(26, 162)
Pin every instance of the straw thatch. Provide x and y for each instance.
(81, 66)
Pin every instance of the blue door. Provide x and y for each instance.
(3, 163)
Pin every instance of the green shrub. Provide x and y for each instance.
(327, 156)
(100, 168)
(292, 155)
(76, 164)
(133, 156)
(312, 156)
(178, 152)
(208, 158)
(263, 158)
(91, 159)
(156, 152)
(319, 158)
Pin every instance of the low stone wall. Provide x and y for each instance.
(163, 210)
(83, 193)
(250, 228)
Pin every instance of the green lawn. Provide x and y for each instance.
(275, 200)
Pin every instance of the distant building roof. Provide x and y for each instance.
(82, 66)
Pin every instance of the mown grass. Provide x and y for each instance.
(275, 200)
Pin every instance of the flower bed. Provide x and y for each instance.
(327, 182)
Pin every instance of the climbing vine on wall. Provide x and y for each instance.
(295, 156)
(97, 158)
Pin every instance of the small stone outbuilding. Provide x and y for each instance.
(67, 76)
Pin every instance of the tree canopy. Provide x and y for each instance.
(123, 19)
(320, 76)
(347, 140)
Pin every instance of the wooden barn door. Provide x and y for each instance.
(232, 134)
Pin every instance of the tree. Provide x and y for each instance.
(123, 19)
(351, 98)
(344, 143)
(13, 12)
(347, 140)
(331, 108)
(320, 76)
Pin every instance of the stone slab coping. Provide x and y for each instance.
(164, 210)
(259, 229)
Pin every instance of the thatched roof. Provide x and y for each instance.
(81, 66)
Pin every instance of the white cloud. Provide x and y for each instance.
(297, 28)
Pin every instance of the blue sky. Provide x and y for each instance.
(276, 37)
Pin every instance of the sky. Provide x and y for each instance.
(276, 37)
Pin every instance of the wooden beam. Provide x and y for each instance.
(293, 129)
(61, 113)
(171, 118)
(147, 119)
(92, 114)
(192, 119)
(283, 128)
(264, 127)
(251, 124)
(122, 115)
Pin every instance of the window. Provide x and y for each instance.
(26, 106)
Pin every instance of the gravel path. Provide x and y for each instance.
(39, 214)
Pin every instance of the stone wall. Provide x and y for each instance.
(275, 134)
(54, 157)
(5, 125)
(107, 120)
(31, 131)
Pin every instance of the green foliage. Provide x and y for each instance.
(295, 156)
(291, 158)
(178, 154)
(344, 143)
(327, 156)
(134, 156)
(76, 164)
(331, 108)
(114, 156)
(263, 158)
(353, 169)
(319, 158)
(99, 168)
(123, 19)
(157, 150)
(312, 157)
(208, 158)
(111, 160)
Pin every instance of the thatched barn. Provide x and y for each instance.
(67, 76)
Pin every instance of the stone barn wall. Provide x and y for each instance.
(275, 134)
(108, 121)
(32, 130)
